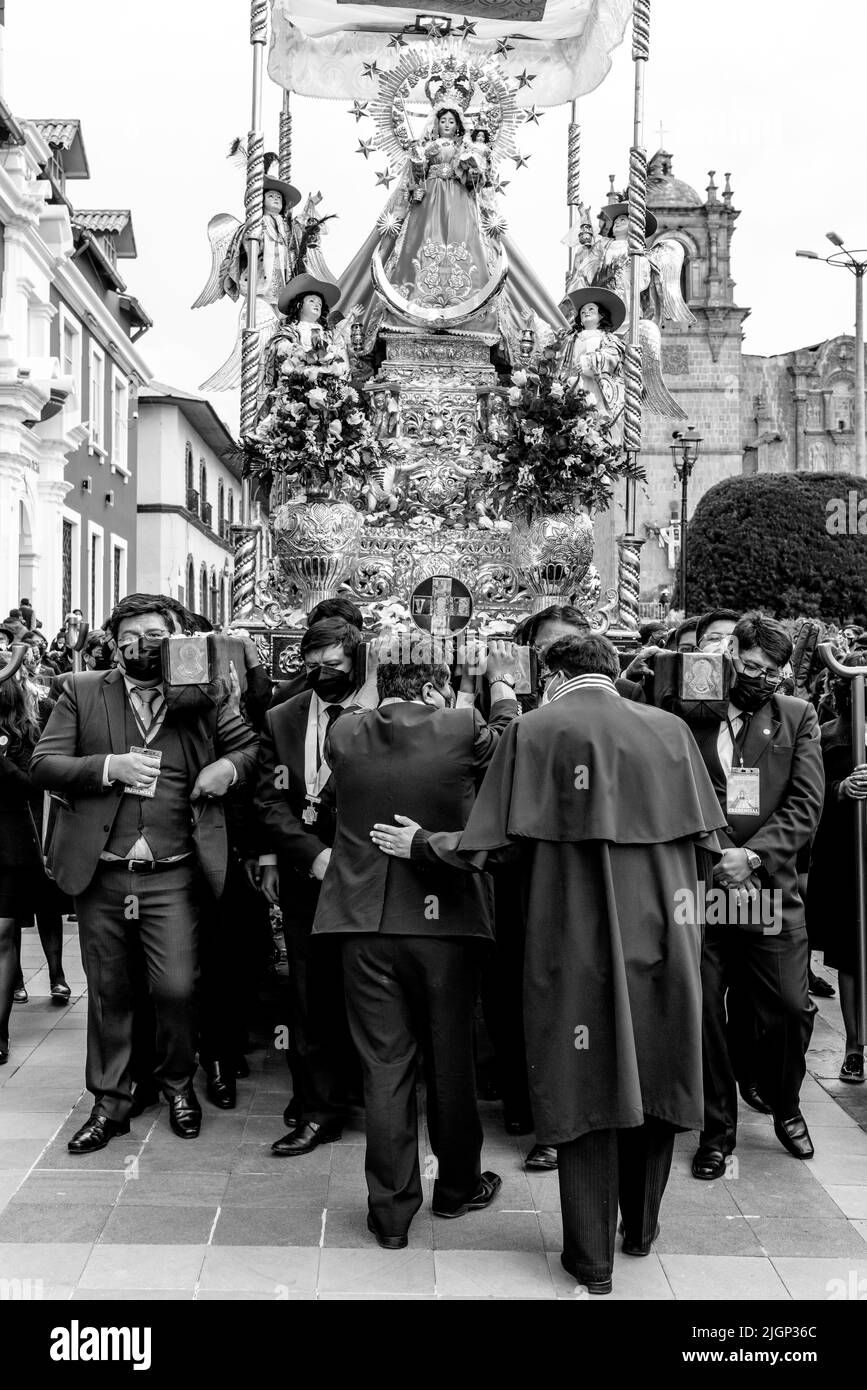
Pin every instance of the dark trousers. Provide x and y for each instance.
(600, 1170)
(122, 917)
(234, 941)
(502, 995)
(320, 1054)
(771, 1015)
(406, 994)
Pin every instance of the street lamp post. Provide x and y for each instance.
(856, 262)
(684, 454)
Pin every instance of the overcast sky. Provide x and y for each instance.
(772, 90)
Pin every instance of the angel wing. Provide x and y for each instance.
(657, 396)
(228, 376)
(221, 229)
(666, 262)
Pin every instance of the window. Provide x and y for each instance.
(190, 599)
(118, 568)
(203, 481)
(224, 612)
(66, 569)
(231, 507)
(203, 592)
(96, 400)
(188, 465)
(212, 612)
(94, 574)
(119, 421)
(70, 352)
(221, 506)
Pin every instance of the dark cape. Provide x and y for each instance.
(612, 986)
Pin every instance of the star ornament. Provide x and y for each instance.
(370, 69)
(503, 48)
(359, 109)
(365, 147)
(384, 178)
(466, 29)
(521, 160)
(532, 113)
(397, 41)
(524, 79)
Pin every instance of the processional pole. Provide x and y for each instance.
(246, 536)
(856, 674)
(573, 179)
(629, 545)
(286, 139)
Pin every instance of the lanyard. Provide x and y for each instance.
(738, 739)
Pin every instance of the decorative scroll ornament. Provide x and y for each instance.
(553, 553)
(317, 543)
(442, 315)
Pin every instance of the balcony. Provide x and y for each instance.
(206, 513)
(192, 501)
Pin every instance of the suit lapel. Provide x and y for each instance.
(762, 731)
(114, 698)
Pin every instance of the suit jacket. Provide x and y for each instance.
(783, 742)
(281, 790)
(87, 723)
(405, 759)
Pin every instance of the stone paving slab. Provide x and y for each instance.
(152, 1217)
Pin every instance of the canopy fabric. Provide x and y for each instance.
(319, 47)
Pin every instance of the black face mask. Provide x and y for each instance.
(749, 693)
(144, 662)
(330, 685)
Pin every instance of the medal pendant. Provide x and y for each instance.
(310, 814)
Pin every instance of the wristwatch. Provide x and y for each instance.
(753, 860)
(505, 680)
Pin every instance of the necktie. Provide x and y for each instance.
(146, 698)
(331, 713)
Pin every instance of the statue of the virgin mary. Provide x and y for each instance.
(438, 256)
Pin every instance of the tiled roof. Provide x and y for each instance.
(101, 220)
(58, 133)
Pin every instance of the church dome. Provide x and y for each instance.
(663, 189)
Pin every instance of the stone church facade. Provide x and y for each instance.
(792, 411)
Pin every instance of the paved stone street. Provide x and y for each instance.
(154, 1217)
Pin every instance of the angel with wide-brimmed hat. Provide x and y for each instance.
(592, 354)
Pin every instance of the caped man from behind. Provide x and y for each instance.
(139, 821)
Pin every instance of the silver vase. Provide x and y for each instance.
(552, 554)
(317, 545)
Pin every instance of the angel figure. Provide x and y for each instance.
(304, 342)
(228, 278)
(593, 353)
(586, 260)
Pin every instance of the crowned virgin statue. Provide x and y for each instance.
(439, 256)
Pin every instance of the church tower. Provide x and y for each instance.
(701, 363)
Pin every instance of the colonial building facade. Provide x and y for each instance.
(189, 498)
(69, 380)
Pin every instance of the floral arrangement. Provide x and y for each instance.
(317, 433)
(548, 448)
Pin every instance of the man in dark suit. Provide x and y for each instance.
(764, 759)
(339, 607)
(295, 806)
(138, 820)
(411, 940)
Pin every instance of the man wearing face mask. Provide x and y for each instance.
(295, 806)
(764, 759)
(138, 820)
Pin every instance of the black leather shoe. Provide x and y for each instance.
(820, 987)
(709, 1164)
(489, 1186)
(751, 1097)
(185, 1113)
(305, 1139)
(794, 1136)
(220, 1089)
(541, 1158)
(4, 1051)
(144, 1097)
(599, 1286)
(387, 1242)
(96, 1134)
(634, 1247)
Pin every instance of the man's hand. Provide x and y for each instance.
(395, 840)
(251, 651)
(855, 785)
(638, 666)
(320, 864)
(234, 696)
(213, 780)
(501, 660)
(732, 868)
(270, 883)
(133, 769)
(253, 873)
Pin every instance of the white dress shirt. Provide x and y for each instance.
(724, 746)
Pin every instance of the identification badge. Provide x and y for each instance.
(310, 814)
(153, 755)
(742, 792)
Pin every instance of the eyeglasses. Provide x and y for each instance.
(756, 672)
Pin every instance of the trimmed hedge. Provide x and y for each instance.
(792, 544)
